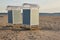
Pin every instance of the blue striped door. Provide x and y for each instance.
(10, 20)
(26, 16)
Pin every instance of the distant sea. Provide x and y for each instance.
(41, 14)
(49, 14)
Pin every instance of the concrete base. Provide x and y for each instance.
(31, 27)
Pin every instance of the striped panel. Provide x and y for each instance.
(34, 16)
(17, 17)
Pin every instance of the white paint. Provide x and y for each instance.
(34, 16)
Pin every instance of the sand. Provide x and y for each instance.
(29, 35)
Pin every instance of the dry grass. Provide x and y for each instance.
(50, 22)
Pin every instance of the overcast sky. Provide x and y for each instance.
(45, 5)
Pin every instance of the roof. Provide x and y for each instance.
(31, 5)
(13, 7)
